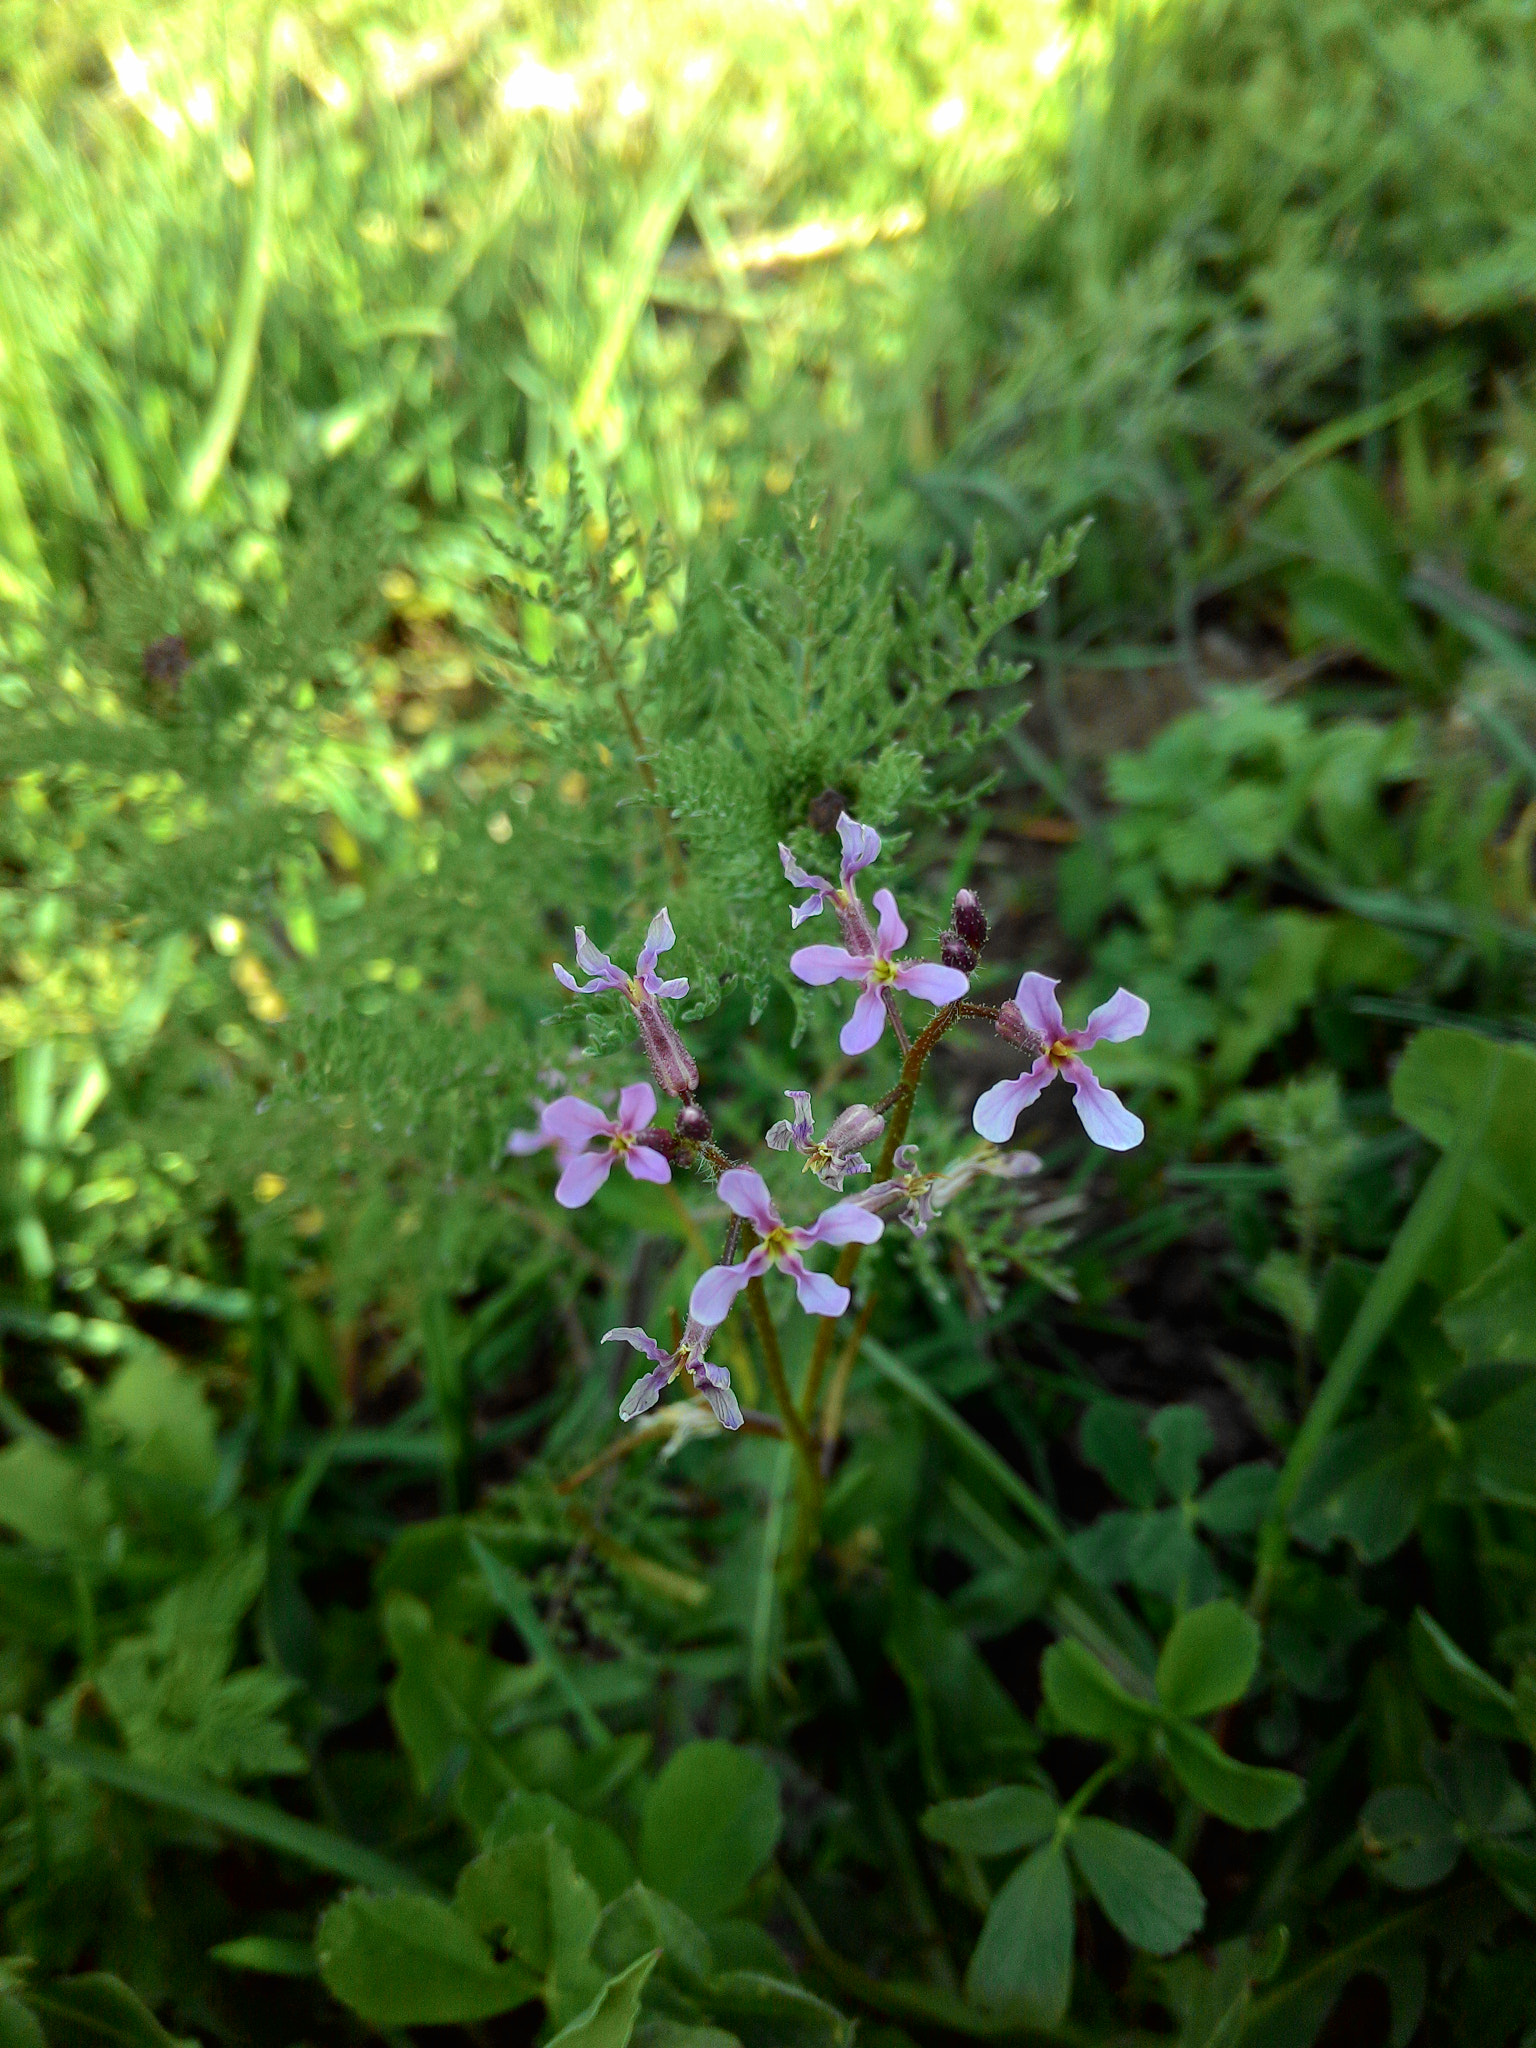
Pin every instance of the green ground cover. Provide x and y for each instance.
(474, 471)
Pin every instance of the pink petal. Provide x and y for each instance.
(591, 961)
(521, 1143)
(570, 1121)
(714, 1291)
(678, 986)
(1104, 1116)
(638, 1340)
(931, 984)
(811, 907)
(582, 1178)
(637, 1106)
(818, 1295)
(660, 938)
(820, 964)
(642, 1163)
(727, 1408)
(892, 933)
(861, 845)
(865, 1025)
(843, 1223)
(1000, 1108)
(793, 872)
(1123, 1016)
(1036, 999)
(646, 1392)
(745, 1194)
(567, 980)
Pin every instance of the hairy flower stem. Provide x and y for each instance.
(899, 1102)
(778, 1381)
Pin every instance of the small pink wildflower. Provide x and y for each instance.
(879, 971)
(712, 1381)
(837, 1154)
(671, 1062)
(861, 847)
(587, 1142)
(1034, 1021)
(746, 1195)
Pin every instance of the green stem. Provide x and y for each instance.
(239, 365)
(900, 1103)
(778, 1381)
(1389, 1289)
(1088, 1791)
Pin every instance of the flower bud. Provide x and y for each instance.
(954, 952)
(664, 1142)
(1011, 1025)
(857, 1127)
(671, 1061)
(969, 920)
(693, 1125)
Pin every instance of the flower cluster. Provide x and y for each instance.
(588, 1142)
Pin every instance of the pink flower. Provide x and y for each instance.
(587, 1143)
(671, 1061)
(861, 847)
(745, 1193)
(1036, 1022)
(878, 971)
(712, 1381)
(836, 1155)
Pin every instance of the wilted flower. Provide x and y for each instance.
(712, 1381)
(746, 1195)
(1036, 1021)
(671, 1062)
(588, 1142)
(878, 971)
(838, 1153)
(915, 1198)
(861, 846)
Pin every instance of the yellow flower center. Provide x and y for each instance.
(1061, 1052)
(777, 1243)
(883, 972)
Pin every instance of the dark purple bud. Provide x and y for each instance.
(664, 1142)
(1011, 1025)
(826, 809)
(969, 919)
(165, 660)
(693, 1125)
(954, 952)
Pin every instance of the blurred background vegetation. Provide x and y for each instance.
(381, 390)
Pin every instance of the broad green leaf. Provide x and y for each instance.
(163, 1413)
(652, 2031)
(444, 1698)
(595, 1849)
(743, 1945)
(640, 1920)
(1500, 1448)
(766, 2012)
(1494, 1320)
(1008, 1818)
(1236, 1503)
(1114, 1442)
(1086, 1700)
(268, 1955)
(97, 2010)
(48, 1500)
(954, 1691)
(1439, 1084)
(1145, 1892)
(1211, 1990)
(1472, 1778)
(610, 2019)
(19, 2026)
(1208, 1660)
(1368, 1484)
(1245, 1794)
(711, 1821)
(1448, 1676)
(1409, 1837)
(1181, 1437)
(409, 1961)
(1022, 1965)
